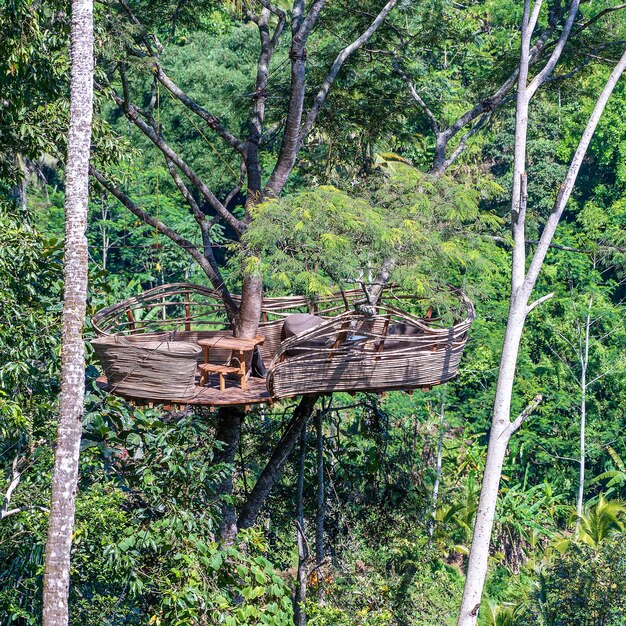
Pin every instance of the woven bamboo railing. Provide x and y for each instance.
(349, 351)
(354, 352)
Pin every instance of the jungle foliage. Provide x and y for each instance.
(146, 547)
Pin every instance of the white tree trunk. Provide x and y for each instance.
(501, 431)
(442, 416)
(58, 546)
(584, 364)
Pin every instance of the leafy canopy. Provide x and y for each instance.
(313, 241)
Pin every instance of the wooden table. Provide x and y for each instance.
(239, 346)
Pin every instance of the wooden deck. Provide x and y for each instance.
(233, 395)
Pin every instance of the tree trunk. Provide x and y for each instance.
(65, 478)
(228, 432)
(320, 516)
(498, 441)
(522, 284)
(272, 470)
(442, 414)
(299, 612)
(584, 363)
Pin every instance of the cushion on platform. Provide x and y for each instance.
(299, 323)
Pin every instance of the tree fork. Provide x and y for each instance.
(522, 284)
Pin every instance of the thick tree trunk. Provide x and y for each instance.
(228, 432)
(247, 319)
(64, 482)
(272, 470)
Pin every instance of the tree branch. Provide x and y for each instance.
(539, 301)
(341, 58)
(200, 217)
(434, 124)
(133, 114)
(568, 186)
(211, 120)
(598, 16)
(268, 44)
(484, 107)
(281, 453)
(301, 27)
(541, 77)
(525, 414)
(170, 233)
(16, 476)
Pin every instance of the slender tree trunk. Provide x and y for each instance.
(498, 442)
(442, 415)
(299, 612)
(320, 516)
(522, 284)
(272, 470)
(583, 419)
(584, 363)
(64, 482)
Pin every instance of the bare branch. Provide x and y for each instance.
(170, 233)
(211, 120)
(268, 43)
(539, 301)
(434, 124)
(525, 414)
(294, 134)
(23, 509)
(16, 476)
(568, 186)
(305, 27)
(341, 58)
(598, 16)
(133, 114)
(456, 153)
(200, 217)
(238, 187)
(540, 78)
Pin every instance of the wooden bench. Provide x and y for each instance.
(206, 369)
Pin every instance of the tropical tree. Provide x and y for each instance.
(599, 522)
(62, 505)
(523, 280)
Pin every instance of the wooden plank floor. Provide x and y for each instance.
(209, 396)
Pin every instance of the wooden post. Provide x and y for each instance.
(187, 311)
(131, 320)
(242, 369)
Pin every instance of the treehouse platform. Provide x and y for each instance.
(173, 345)
(212, 396)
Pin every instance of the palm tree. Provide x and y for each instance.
(599, 521)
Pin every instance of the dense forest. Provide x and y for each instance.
(266, 149)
